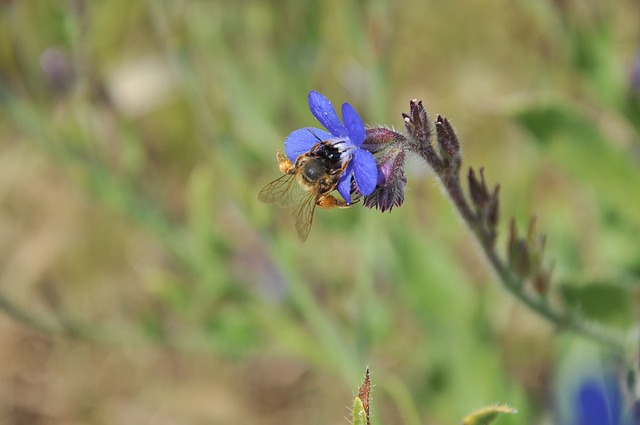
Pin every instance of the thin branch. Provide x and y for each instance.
(25, 317)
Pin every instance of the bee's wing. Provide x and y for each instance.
(286, 192)
(303, 213)
(283, 191)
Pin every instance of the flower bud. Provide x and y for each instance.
(388, 148)
(381, 138)
(449, 145)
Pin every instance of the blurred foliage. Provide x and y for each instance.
(135, 136)
(601, 302)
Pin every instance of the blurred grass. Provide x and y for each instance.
(131, 158)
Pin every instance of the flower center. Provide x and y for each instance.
(344, 146)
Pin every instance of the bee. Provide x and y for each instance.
(307, 183)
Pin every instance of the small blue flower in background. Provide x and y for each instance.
(599, 402)
(347, 137)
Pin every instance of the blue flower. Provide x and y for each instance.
(599, 402)
(347, 137)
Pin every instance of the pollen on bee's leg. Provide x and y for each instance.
(284, 164)
(329, 201)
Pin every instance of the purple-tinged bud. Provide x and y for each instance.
(417, 123)
(493, 210)
(518, 252)
(449, 145)
(391, 182)
(388, 149)
(478, 189)
(487, 205)
(381, 138)
(418, 127)
(57, 68)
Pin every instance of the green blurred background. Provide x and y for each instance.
(142, 282)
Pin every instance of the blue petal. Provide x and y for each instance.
(365, 171)
(344, 185)
(598, 404)
(322, 109)
(354, 124)
(302, 140)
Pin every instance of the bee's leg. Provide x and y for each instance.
(329, 201)
(284, 164)
(344, 167)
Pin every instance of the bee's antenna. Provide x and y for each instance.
(339, 142)
(314, 134)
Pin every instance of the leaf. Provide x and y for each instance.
(487, 415)
(604, 302)
(359, 414)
